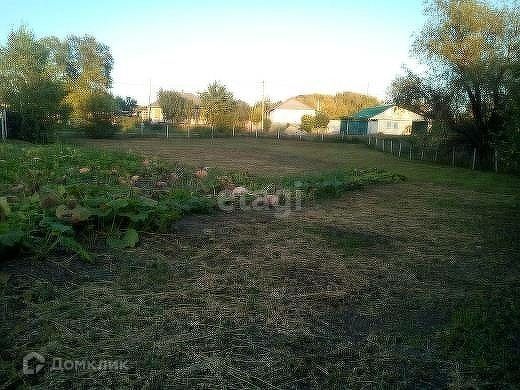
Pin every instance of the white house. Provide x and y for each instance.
(290, 112)
(334, 126)
(388, 119)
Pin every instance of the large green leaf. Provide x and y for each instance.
(128, 240)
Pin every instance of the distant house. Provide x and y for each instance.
(154, 114)
(334, 126)
(290, 112)
(388, 119)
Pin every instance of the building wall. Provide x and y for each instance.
(284, 116)
(354, 127)
(334, 126)
(396, 121)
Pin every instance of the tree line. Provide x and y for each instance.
(49, 82)
(470, 90)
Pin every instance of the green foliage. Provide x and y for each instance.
(471, 53)
(29, 89)
(321, 120)
(218, 106)
(174, 106)
(307, 123)
(336, 184)
(54, 197)
(46, 82)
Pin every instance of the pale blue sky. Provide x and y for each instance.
(297, 47)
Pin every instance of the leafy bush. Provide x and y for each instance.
(101, 129)
(58, 198)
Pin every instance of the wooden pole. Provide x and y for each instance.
(474, 158)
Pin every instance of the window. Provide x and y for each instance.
(396, 125)
(388, 124)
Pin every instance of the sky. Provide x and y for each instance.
(295, 47)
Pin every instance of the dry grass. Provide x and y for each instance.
(351, 293)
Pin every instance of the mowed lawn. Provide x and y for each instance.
(407, 285)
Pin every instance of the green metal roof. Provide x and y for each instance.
(370, 112)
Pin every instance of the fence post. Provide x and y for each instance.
(188, 131)
(384, 145)
(453, 157)
(278, 133)
(369, 140)
(435, 157)
(167, 131)
(400, 148)
(322, 137)
(300, 137)
(474, 158)
(496, 160)
(392, 146)
(3, 124)
(422, 155)
(410, 153)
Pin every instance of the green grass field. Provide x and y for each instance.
(403, 285)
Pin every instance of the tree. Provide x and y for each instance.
(470, 49)
(218, 105)
(308, 123)
(241, 113)
(340, 105)
(125, 105)
(28, 86)
(174, 106)
(321, 120)
(88, 66)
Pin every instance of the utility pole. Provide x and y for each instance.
(150, 100)
(263, 103)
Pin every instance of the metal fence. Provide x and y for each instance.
(463, 156)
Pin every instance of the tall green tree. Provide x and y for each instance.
(470, 49)
(176, 109)
(218, 106)
(29, 87)
(88, 66)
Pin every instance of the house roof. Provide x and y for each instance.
(293, 104)
(370, 112)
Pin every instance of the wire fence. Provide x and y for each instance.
(462, 156)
